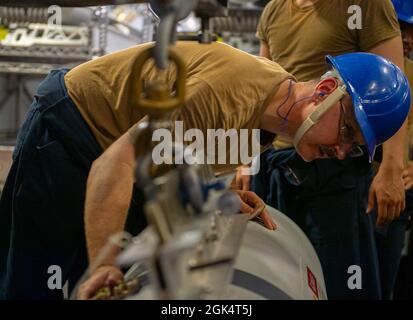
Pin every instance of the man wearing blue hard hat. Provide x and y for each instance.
(373, 84)
(71, 183)
(363, 99)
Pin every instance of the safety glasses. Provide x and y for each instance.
(346, 136)
(346, 133)
(316, 115)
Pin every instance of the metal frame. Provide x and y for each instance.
(34, 48)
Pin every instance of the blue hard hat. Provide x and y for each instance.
(404, 9)
(380, 93)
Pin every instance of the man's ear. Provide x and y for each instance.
(324, 88)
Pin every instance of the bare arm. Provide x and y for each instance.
(387, 187)
(108, 195)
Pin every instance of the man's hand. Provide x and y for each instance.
(103, 276)
(408, 176)
(251, 202)
(387, 190)
(241, 182)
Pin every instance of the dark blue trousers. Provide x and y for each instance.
(390, 242)
(403, 288)
(41, 207)
(328, 200)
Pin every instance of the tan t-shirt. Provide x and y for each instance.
(226, 89)
(408, 69)
(300, 38)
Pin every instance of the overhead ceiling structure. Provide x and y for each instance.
(87, 3)
(66, 3)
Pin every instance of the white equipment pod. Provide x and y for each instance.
(279, 264)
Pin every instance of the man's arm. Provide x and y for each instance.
(387, 188)
(108, 195)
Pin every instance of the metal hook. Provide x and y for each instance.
(168, 14)
(165, 36)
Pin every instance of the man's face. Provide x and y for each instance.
(334, 136)
(407, 34)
